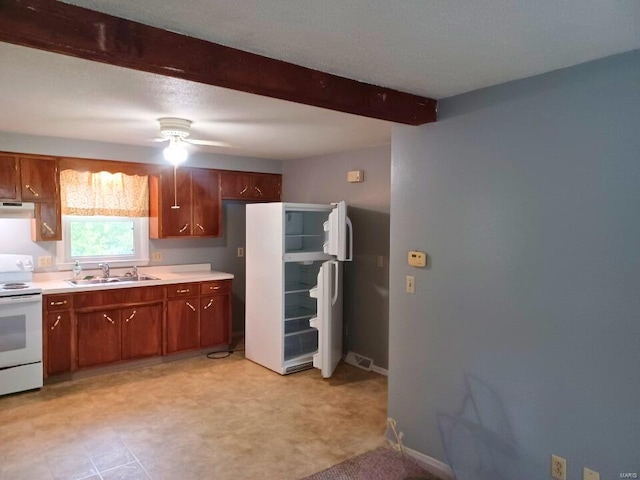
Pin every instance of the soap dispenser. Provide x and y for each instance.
(77, 270)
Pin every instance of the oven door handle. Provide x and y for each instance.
(23, 299)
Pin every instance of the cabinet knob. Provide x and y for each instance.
(242, 192)
(200, 227)
(258, 190)
(191, 306)
(64, 302)
(208, 304)
(130, 317)
(108, 318)
(56, 323)
(184, 290)
(186, 225)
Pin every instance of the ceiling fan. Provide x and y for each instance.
(176, 131)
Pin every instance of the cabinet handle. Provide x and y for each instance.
(184, 290)
(35, 194)
(64, 302)
(214, 288)
(186, 225)
(200, 226)
(108, 318)
(208, 304)
(258, 190)
(191, 306)
(242, 192)
(131, 316)
(47, 228)
(57, 322)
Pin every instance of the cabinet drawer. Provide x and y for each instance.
(58, 302)
(118, 296)
(218, 286)
(182, 290)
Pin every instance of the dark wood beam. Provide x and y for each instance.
(70, 30)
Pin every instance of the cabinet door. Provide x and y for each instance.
(40, 179)
(215, 321)
(236, 185)
(141, 327)
(267, 187)
(176, 222)
(9, 178)
(206, 206)
(47, 223)
(182, 324)
(98, 337)
(58, 331)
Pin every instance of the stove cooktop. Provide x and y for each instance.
(18, 288)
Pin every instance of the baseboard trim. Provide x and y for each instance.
(431, 464)
(380, 370)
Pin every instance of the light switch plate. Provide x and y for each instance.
(240, 252)
(380, 261)
(44, 261)
(417, 259)
(156, 256)
(411, 284)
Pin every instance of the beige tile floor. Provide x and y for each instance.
(192, 419)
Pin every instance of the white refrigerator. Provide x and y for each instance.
(294, 255)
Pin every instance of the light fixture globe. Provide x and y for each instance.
(175, 153)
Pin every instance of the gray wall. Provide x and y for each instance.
(522, 339)
(15, 234)
(323, 179)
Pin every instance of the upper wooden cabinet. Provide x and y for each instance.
(40, 179)
(251, 186)
(9, 176)
(26, 178)
(185, 203)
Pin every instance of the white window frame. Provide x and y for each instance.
(141, 245)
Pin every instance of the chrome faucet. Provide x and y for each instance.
(134, 271)
(105, 269)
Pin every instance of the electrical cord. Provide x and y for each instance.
(222, 354)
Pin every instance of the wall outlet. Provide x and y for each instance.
(411, 284)
(240, 252)
(588, 474)
(45, 261)
(156, 256)
(355, 176)
(380, 261)
(558, 468)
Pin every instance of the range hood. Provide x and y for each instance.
(17, 209)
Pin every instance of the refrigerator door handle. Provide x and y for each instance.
(334, 297)
(350, 228)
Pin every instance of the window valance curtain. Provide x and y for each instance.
(104, 193)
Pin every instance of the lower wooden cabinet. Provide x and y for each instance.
(98, 337)
(58, 337)
(215, 316)
(87, 329)
(182, 324)
(141, 331)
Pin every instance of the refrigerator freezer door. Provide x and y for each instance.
(329, 319)
(339, 234)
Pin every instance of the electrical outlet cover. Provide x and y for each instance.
(558, 468)
(588, 474)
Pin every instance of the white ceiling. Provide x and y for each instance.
(435, 48)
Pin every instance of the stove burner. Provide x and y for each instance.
(14, 286)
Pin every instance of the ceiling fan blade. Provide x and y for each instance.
(208, 143)
(159, 139)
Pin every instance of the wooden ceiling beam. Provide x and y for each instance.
(57, 27)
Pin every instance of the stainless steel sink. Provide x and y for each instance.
(107, 280)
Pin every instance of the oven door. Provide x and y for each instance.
(20, 330)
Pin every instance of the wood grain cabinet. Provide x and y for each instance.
(141, 331)
(263, 187)
(183, 324)
(98, 337)
(9, 177)
(57, 334)
(185, 203)
(40, 179)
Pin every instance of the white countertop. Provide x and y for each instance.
(201, 272)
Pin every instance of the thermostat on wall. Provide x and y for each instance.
(417, 259)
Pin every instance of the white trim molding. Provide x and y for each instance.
(431, 464)
(380, 370)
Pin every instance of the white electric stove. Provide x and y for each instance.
(20, 325)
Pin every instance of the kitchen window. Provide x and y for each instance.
(104, 218)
